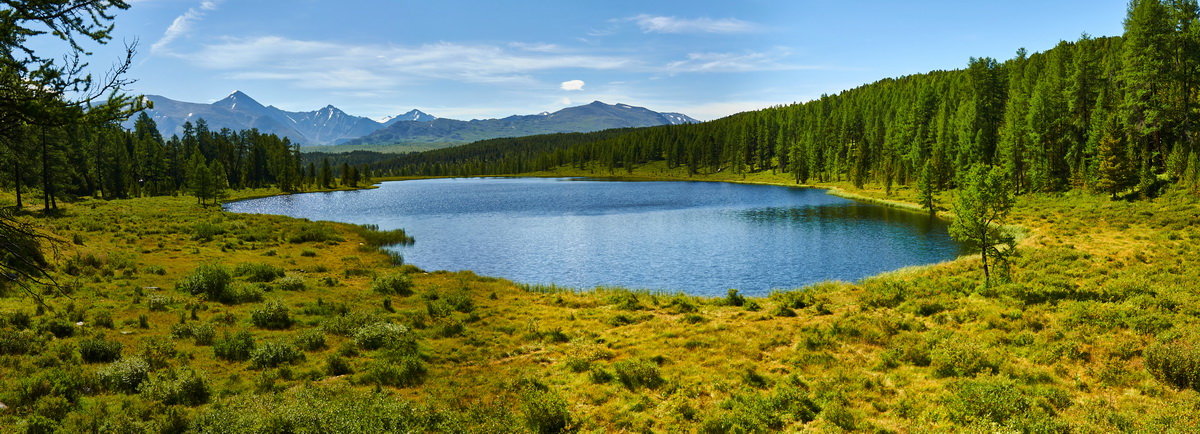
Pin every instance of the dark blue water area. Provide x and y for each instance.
(700, 238)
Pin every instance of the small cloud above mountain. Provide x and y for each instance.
(572, 85)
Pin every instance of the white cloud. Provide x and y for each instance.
(661, 24)
(329, 65)
(572, 85)
(183, 24)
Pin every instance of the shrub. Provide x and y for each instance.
(272, 315)
(208, 280)
(761, 412)
(986, 400)
(103, 319)
(380, 334)
(235, 347)
(397, 370)
(158, 351)
(393, 284)
(337, 365)
(1175, 362)
(310, 340)
(59, 327)
(291, 283)
(545, 411)
(272, 354)
(240, 292)
(203, 333)
(17, 342)
(313, 232)
(732, 298)
(959, 359)
(205, 231)
(347, 325)
(181, 386)
(99, 350)
(377, 238)
(258, 272)
(157, 303)
(125, 375)
(634, 374)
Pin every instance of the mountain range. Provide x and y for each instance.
(332, 126)
(586, 118)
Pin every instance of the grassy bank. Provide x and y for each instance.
(313, 327)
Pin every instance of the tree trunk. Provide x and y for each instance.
(17, 180)
(987, 277)
(45, 174)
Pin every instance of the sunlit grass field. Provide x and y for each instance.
(173, 317)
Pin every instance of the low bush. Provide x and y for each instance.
(960, 359)
(125, 375)
(17, 342)
(234, 347)
(1175, 362)
(393, 284)
(205, 231)
(258, 272)
(158, 303)
(545, 411)
(59, 327)
(381, 238)
(208, 280)
(634, 374)
(310, 340)
(180, 386)
(336, 365)
(99, 350)
(272, 315)
(291, 283)
(273, 353)
(397, 369)
(380, 334)
(732, 298)
(313, 232)
(986, 401)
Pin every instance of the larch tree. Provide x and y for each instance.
(984, 201)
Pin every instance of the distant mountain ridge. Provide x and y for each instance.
(332, 126)
(581, 119)
(238, 111)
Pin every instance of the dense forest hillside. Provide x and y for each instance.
(1115, 114)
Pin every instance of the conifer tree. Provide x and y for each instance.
(984, 201)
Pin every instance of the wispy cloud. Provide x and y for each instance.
(183, 24)
(663, 24)
(330, 65)
(773, 60)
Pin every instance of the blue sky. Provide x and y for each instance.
(478, 59)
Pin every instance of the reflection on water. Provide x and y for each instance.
(698, 237)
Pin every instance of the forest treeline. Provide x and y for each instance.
(111, 162)
(1113, 114)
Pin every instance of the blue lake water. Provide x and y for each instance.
(697, 237)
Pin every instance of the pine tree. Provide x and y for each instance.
(1113, 173)
(927, 188)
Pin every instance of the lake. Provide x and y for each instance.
(696, 237)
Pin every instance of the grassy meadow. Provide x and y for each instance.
(177, 318)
